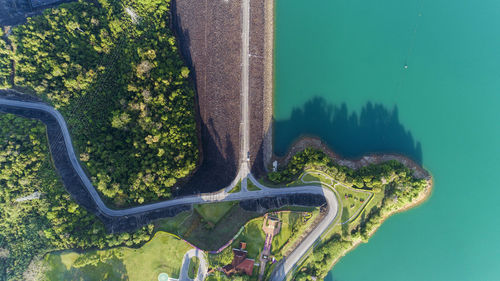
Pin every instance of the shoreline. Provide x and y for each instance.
(422, 198)
(373, 158)
(356, 163)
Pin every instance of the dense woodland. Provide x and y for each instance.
(31, 227)
(5, 61)
(114, 71)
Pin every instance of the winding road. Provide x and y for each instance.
(222, 196)
(287, 263)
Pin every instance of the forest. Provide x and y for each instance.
(113, 69)
(36, 213)
(5, 61)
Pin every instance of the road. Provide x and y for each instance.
(202, 269)
(288, 263)
(221, 196)
(245, 122)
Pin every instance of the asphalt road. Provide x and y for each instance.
(244, 174)
(221, 196)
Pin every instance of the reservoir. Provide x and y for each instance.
(415, 77)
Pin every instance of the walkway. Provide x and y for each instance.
(202, 268)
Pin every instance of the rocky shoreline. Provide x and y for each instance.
(419, 172)
(375, 158)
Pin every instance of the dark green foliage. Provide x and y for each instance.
(114, 71)
(54, 221)
(5, 62)
(371, 177)
(320, 261)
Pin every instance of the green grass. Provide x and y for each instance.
(253, 236)
(60, 268)
(194, 263)
(237, 188)
(212, 238)
(163, 253)
(314, 176)
(213, 213)
(273, 185)
(310, 178)
(352, 201)
(293, 224)
(251, 186)
(173, 225)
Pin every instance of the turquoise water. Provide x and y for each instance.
(340, 75)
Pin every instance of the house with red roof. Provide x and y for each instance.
(240, 264)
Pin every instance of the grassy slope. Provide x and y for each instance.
(252, 187)
(163, 253)
(214, 212)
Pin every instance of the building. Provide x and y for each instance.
(240, 264)
(271, 225)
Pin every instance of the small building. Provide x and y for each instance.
(271, 225)
(240, 264)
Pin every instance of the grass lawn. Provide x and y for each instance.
(268, 183)
(214, 212)
(314, 176)
(253, 236)
(173, 225)
(237, 188)
(194, 263)
(211, 238)
(352, 201)
(310, 178)
(251, 186)
(163, 253)
(293, 225)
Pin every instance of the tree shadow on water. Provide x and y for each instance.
(375, 129)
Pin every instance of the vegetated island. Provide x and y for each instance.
(369, 190)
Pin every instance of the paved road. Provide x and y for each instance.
(202, 269)
(223, 195)
(289, 262)
(220, 196)
(245, 122)
(197, 199)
